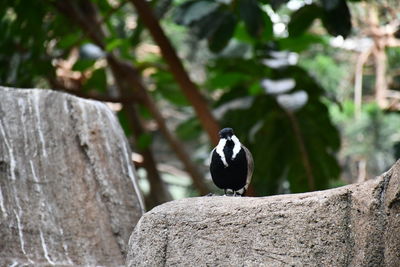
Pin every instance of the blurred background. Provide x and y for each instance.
(311, 87)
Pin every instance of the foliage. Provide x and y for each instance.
(23, 41)
(371, 137)
(252, 78)
(283, 141)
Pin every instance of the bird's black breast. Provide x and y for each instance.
(232, 177)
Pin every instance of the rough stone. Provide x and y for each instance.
(355, 225)
(68, 192)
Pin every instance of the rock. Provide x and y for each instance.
(68, 192)
(355, 225)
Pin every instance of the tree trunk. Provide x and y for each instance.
(380, 76)
(355, 225)
(68, 191)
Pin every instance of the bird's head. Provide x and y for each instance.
(226, 133)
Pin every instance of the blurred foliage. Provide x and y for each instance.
(372, 137)
(393, 54)
(244, 54)
(283, 140)
(23, 41)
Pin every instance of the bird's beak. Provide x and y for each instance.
(229, 138)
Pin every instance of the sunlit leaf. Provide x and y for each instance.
(83, 64)
(115, 43)
(242, 35)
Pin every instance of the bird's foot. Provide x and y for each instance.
(229, 192)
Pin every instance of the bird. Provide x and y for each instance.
(231, 164)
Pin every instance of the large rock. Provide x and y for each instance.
(356, 225)
(68, 192)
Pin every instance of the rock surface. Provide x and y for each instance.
(355, 225)
(68, 194)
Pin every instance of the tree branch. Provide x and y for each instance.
(124, 80)
(131, 86)
(188, 88)
(173, 141)
(362, 58)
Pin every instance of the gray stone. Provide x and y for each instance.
(68, 192)
(355, 225)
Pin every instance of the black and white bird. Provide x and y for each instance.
(231, 164)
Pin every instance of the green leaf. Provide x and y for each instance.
(227, 79)
(192, 11)
(144, 141)
(97, 82)
(222, 35)
(144, 112)
(242, 35)
(168, 89)
(330, 5)
(116, 43)
(255, 88)
(336, 17)
(83, 64)
(68, 41)
(267, 33)
(276, 4)
(301, 43)
(206, 26)
(270, 134)
(124, 121)
(251, 14)
(189, 129)
(302, 19)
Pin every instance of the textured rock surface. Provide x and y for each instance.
(356, 225)
(68, 195)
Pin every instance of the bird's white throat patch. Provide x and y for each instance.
(236, 147)
(220, 149)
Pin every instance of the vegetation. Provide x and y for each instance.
(280, 73)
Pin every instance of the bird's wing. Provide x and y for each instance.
(250, 165)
